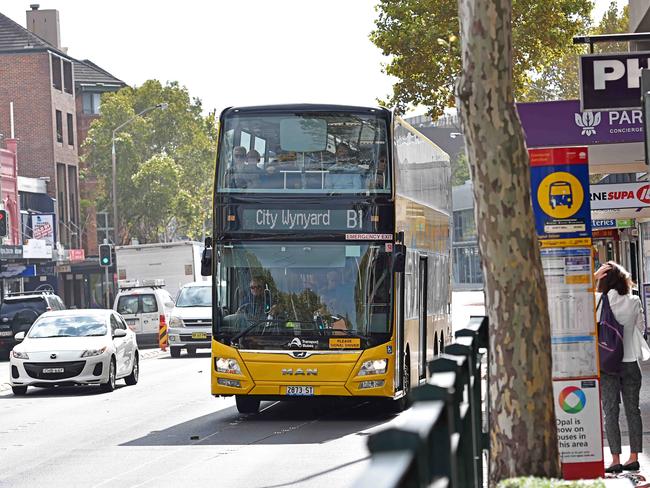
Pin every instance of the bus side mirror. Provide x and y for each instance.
(206, 261)
(399, 258)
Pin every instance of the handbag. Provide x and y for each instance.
(610, 339)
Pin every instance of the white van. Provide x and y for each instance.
(143, 304)
(190, 325)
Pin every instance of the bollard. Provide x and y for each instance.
(467, 347)
(162, 334)
(413, 431)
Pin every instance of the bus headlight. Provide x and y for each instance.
(375, 366)
(224, 365)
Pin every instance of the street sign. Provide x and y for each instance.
(561, 123)
(578, 418)
(559, 186)
(611, 80)
(620, 195)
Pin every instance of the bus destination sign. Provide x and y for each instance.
(294, 219)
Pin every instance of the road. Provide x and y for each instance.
(168, 431)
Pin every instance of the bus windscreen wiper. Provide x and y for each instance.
(251, 327)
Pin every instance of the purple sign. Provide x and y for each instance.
(561, 123)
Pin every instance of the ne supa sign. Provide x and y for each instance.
(620, 195)
(612, 81)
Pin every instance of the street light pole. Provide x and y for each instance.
(162, 106)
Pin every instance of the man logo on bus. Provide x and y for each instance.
(560, 194)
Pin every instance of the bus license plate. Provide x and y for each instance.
(199, 335)
(300, 390)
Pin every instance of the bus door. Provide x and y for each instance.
(399, 331)
(422, 316)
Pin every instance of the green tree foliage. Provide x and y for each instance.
(460, 170)
(421, 38)
(560, 79)
(165, 161)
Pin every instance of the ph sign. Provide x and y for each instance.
(612, 81)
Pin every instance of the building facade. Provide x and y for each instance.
(37, 106)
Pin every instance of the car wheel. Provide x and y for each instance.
(247, 404)
(191, 351)
(175, 352)
(19, 390)
(110, 383)
(132, 379)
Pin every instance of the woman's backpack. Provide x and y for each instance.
(610, 339)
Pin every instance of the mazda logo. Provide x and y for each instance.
(53, 356)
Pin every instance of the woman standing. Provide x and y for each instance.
(616, 282)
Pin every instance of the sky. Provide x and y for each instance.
(228, 53)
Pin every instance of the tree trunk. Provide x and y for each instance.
(522, 422)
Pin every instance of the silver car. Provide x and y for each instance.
(190, 325)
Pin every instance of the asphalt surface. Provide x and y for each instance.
(168, 431)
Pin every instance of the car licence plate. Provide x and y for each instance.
(199, 335)
(5, 333)
(130, 321)
(53, 370)
(300, 390)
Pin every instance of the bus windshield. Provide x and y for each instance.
(304, 153)
(272, 293)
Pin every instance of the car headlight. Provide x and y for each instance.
(224, 365)
(375, 366)
(88, 353)
(176, 322)
(19, 355)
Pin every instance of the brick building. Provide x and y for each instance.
(90, 82)
(55, 98)
(36, 75)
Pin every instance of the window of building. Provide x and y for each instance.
(56, 72)
(70, 130)
(59, 126)
(464, 226)
(91, 102)
(62, 202)
(67, 76)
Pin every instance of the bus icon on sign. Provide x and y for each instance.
(560, 194)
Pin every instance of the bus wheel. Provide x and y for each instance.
(247, 404)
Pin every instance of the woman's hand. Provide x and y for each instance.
(602, 271)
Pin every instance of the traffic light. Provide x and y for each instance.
(3, 223)
(105, 255)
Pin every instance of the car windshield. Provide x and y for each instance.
(68, 326)
(304, 153)
(270, 294)
(195, 296)
(11, 307)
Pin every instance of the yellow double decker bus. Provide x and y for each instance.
(330, 254)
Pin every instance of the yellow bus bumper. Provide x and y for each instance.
(268, 374)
